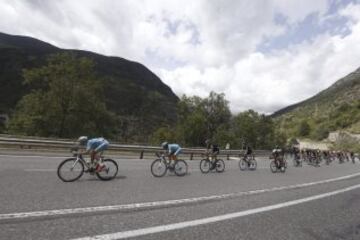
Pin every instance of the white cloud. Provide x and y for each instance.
(199, 46)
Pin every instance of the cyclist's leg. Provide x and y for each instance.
(92, 156)
(99, 151)
(174, 157)
(176, 153)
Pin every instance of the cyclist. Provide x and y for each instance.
(95, 147)
(249, 151)
(212, 150)
(278, 156)
(248, 154)
(172, 150)
(352, 156)
(296, 152)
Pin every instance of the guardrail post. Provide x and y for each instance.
(191, 156)
(142, 154)
(227, 157)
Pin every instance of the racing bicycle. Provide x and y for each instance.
(247, 162)
(72, 169)
(161, 165)
(211, 163)
(278, 164)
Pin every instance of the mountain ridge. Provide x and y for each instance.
(338, 84)
(131, 90)
(335, 108)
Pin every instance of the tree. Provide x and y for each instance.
(163, 134)
(66, 100)
(245, 127)
(304, 129)
(321, 132)
(199, 119)
(194, 129)
(217, 112)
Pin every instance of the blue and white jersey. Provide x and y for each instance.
(174, 149)
(95, 143)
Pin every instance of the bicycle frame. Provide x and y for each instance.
(163, 158)
(80, 158)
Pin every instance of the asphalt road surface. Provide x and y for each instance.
(303, 203)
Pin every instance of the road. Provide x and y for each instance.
(303, 203)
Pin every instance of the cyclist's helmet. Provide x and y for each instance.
(82, 140)
(164, 145)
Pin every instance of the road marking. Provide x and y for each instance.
(40, 170)
(157, 204)
(197, 222)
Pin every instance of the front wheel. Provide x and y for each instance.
(109, 170)
(252, 164)
(180, 168)
(220, 165)
(70, 170)
(205, 165)
(273, 167)
(283, 166)
(243, 165)
(158, 168)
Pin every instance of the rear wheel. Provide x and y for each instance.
(70, 170)
(205, 165)
(109, 170)
(158, 168)
(180, 168)
(273, 167)
(220, 165)
(243, 164)
(252, 164)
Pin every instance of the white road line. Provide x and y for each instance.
(40, 170)
(165, 203)
(193, 223)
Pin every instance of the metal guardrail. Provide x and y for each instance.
(26, 143)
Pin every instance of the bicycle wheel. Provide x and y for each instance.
(109, 171)
(252, 164)
(205, 165)
(220, 165)
(70, 169)
(158, 168)
(283, 168)
(273, 167)
(180, 168)
(243, 164)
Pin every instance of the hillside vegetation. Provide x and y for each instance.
(335, 108)
(140, 101)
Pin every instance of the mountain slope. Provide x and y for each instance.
(335, 108)
(131, 90)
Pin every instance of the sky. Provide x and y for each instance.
(263, 54)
